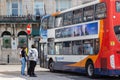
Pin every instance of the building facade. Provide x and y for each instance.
(15, 15)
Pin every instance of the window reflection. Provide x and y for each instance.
(58, 21)
(67, 47)
(80, 47)
(77, 48)
(118, 6)
(51, 22)
(15, 9)
(117, 32)
(77, 16)
(51, 46)
(100, 11)
(89, 13)
(68, 18)
(58, 48)
(6, 42)
(88, 47)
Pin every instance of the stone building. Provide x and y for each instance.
(15, 15)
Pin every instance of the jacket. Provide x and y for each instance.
(33, 54)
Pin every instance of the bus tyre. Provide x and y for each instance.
(90, 69)
(51, 66)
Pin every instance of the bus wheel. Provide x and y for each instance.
(90, 69)
(51, 66)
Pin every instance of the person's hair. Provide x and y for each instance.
(21, 47)
(24, 47)
(33, 46)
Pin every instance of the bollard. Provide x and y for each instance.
(7, 58)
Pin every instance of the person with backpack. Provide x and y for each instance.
(32, 57)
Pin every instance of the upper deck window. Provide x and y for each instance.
(100, 11)
(77, 16)
(118, 6)
(67, 18)
(45, 23)
(51, 22)
(58, 21)
(88, 13)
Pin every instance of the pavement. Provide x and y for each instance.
(12, 72)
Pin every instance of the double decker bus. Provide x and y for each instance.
(85, 39)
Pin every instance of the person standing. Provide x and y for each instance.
(33, 57)
(23, 60)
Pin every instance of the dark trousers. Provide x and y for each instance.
(31, 67)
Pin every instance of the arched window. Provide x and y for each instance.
(22, 38)
(6, 39)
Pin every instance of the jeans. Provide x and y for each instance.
(23, 63)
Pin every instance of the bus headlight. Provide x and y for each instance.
(112, 61)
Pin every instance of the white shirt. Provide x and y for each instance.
(33, 54)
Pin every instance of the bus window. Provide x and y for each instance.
(77, 16)
(77, 47)
(58, 21)
(67, 48)
(58, 48)
(67, 18)
(118, 6)
(51, 46)
(59, 33)
(88, 47)
(100, 11)
(68, 32)
(88, 13)
(96, 46)
(45, 23)
(51, 22)
(117, 32)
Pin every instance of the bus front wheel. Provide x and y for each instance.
(90, 69)
(51, 66)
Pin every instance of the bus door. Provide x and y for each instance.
(43, 55)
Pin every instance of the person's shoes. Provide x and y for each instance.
(24, 74)
(33, 76)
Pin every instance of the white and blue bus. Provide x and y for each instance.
(84, 39)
